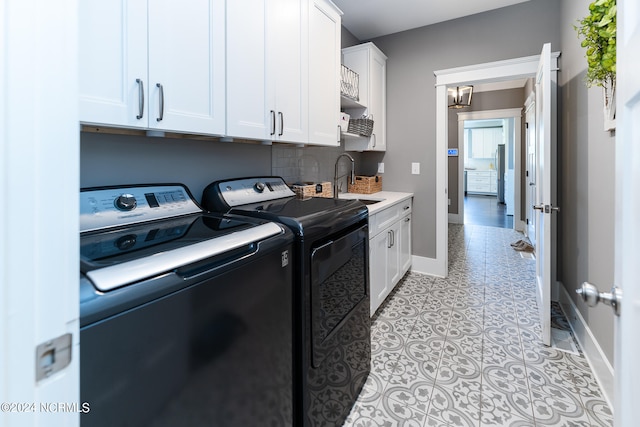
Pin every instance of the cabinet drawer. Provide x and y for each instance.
(479, 187)
(383, 219)
(479, 179)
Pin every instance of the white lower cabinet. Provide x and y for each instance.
(389, 250)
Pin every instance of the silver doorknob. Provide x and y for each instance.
(591, 296)
(538, 207)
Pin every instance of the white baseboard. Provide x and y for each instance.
(429, 266)
(455, 219)
(602, 368)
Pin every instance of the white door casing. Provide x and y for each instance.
(530, 175)
(627, 206)
(511, 69)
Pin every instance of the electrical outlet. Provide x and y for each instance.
(381, 167)
(449, 200)
(415, 168)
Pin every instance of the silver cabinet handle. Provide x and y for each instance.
(140, 99)
(281, 123)
(375, 140)
(406, 207)
(273, 123)
(407, 220)
(161, 116)
(389, 239)
(539, 208)
(339, 134)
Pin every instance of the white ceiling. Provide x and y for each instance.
(367, 19)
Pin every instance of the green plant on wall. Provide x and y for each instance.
(598, 31)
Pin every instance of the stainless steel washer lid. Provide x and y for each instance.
(115, 276)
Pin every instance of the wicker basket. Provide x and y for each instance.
(366, 184)
(310, 189)
(362, 127)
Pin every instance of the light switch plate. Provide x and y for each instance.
(381, 167)
(415, 168)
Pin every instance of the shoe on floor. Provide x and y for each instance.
(526, 247)
(520, 244)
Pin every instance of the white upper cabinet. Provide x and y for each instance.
(267, 70)
(371, 65)
(325, 22)
(113, 62)
(157, 65)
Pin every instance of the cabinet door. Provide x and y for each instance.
(267, 94)
(378, 102)
(405, 244)
(324, 73)
(113, 63)
(477, 143)
(247, 108)
(393, 256)
(378, 270)
(186, 57)
(288, 68)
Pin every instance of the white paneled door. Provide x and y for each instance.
(546, 211)
(627, 222)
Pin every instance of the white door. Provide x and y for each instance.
(545, 198)
(530, 181)
(39, 254)
(627, 234)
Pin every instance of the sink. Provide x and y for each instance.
(368, 201)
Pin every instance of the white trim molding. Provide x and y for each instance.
(473, 74)
(428, 266)
(602, 368)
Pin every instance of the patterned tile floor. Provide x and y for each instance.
(465, 350)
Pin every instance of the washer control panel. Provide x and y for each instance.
(253, 190)
(118, 206)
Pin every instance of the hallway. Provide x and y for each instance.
(464, 351)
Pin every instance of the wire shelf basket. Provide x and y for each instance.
(349, 84)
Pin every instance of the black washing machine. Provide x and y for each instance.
(331, 290)
(185, 316)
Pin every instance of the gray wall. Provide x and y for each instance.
(482, 101)
(586, 187)
(414, 55)
(123, 160)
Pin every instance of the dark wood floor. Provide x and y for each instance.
(485, 210)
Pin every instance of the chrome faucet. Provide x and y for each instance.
(336, 177)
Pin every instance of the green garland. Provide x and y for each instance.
(598, 31)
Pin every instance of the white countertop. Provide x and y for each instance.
(387, 198)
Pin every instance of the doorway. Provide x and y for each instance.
(489, 167)
(499, 71)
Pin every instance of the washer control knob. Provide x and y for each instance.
(259, 186)
(126, 202)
